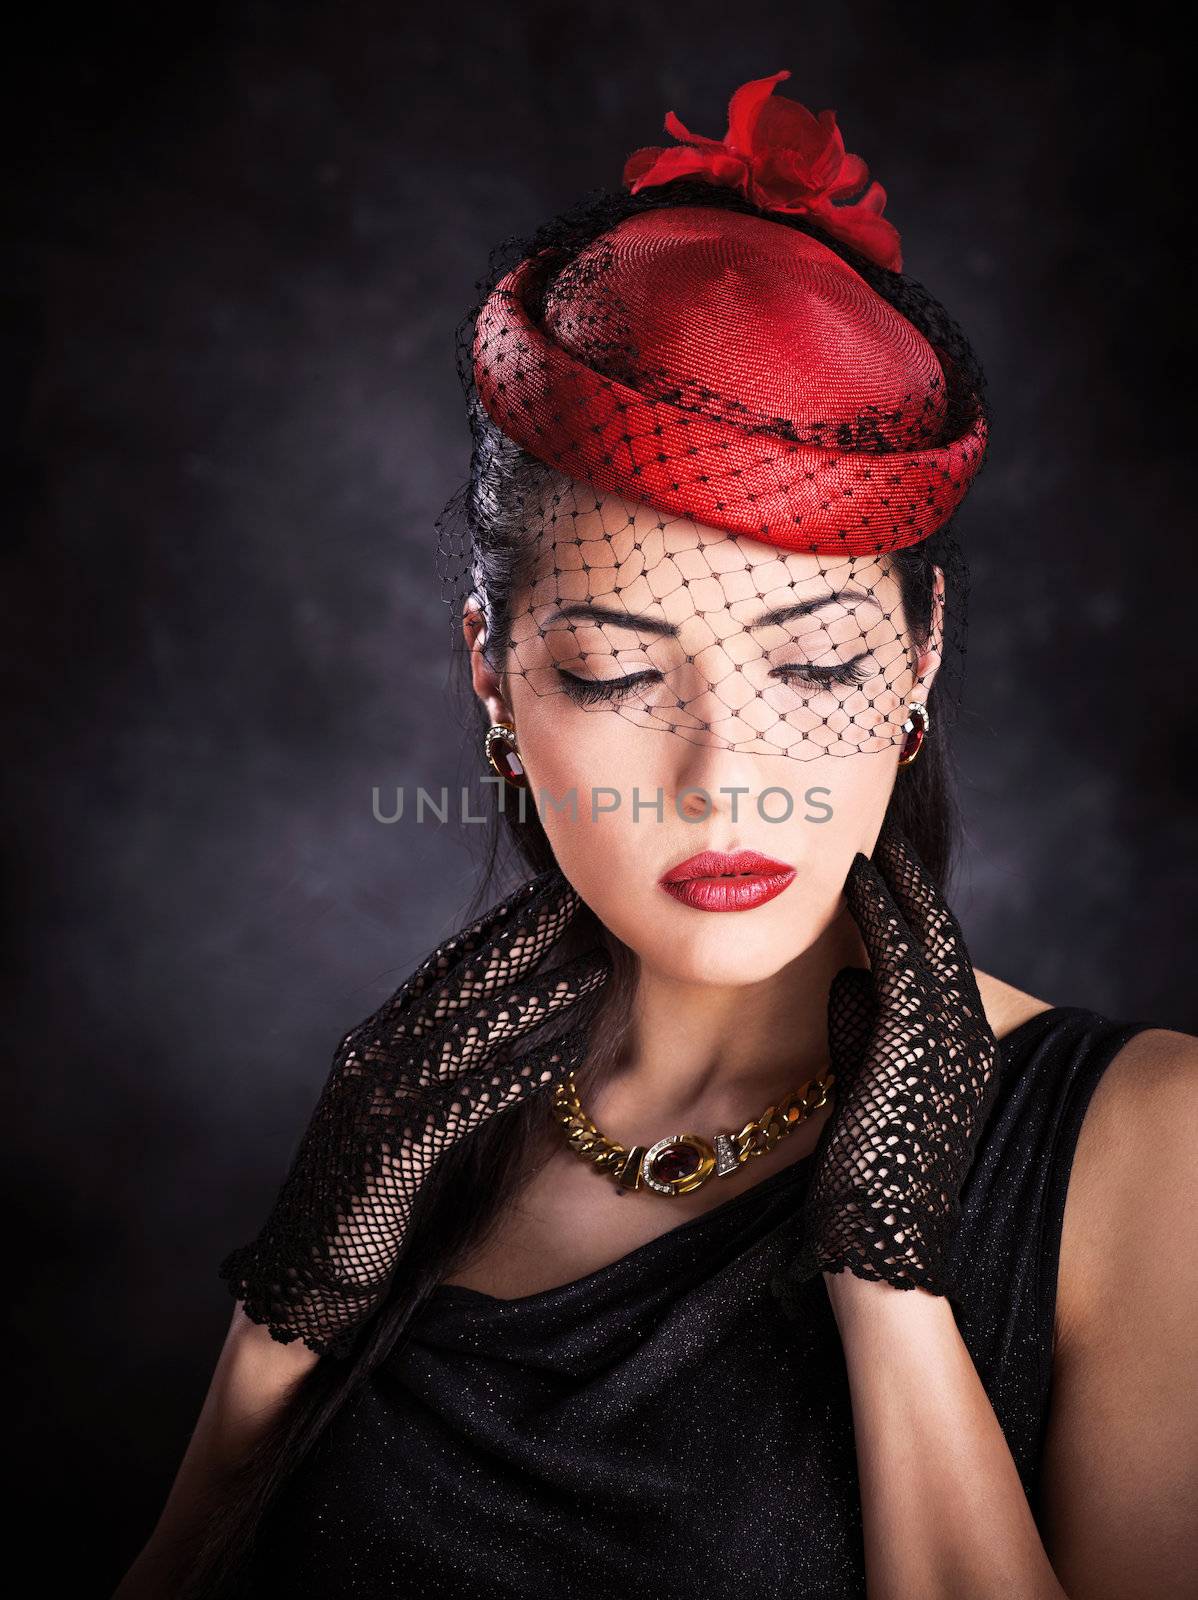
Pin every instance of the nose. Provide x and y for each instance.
(709, 780)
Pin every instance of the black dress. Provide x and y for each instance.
(659, 1427)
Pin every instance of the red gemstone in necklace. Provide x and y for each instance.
(675, 1162)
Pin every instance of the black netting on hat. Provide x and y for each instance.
(627, 526)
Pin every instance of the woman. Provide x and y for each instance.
(910, 1313)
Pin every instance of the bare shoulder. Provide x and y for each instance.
(1133, 1184)
(1006, 1007)
(1120, 1463)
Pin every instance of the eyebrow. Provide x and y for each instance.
(643, 623)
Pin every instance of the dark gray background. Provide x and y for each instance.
(241, 245)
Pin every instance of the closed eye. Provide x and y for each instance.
(589, 689)
(816, 677)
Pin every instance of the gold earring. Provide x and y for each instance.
(913, 735)
(504, 754)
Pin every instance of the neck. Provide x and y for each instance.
(705, 1053)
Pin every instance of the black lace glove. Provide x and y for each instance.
(915, 1066)
(478, 1027)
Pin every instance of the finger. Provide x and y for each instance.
(468, 1097)
(502, 1021)
(893, 950)
(467, 1037)
(546, 893)
(851, 1013)
(493, 952)
(927, 913)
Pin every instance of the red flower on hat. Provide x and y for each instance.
(782, 158)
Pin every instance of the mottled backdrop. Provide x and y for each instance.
(238, 247)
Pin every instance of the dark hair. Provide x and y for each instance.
(467, 1190)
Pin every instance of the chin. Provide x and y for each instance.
(720, 948)
(723, 970)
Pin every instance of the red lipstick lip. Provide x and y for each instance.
(718, 864)
(715, 881)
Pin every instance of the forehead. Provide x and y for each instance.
(588, 544)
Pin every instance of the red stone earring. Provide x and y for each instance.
(915, 731)
(504, 754)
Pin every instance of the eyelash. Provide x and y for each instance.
(588, 689)
(592, 689)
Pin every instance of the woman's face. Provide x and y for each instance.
(647, 742)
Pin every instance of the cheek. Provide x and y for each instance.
(857, 790)
(583, 767)
(844, 800)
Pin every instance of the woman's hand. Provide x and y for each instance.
(478, 1027)
(914, 1061)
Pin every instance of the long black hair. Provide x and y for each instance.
(467, 1190)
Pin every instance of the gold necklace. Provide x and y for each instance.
(683, 1161)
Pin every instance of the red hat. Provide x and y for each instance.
(734, 370)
